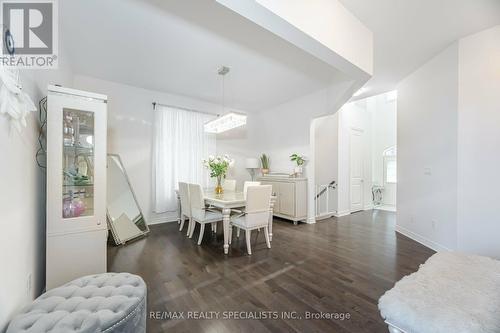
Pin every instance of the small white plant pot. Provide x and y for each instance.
(298, 170)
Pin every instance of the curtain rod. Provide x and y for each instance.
(182, 108)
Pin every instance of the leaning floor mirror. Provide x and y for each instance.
(125, 218)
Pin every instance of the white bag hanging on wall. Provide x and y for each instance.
(14, 102)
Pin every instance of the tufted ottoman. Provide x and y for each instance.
(110, 302)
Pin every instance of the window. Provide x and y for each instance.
(390, 165)
(390, 152)
(180, 143)
(391, 171)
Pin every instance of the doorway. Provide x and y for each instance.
(355, 157)
(384, 151)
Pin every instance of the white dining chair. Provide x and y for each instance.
(256, 215)
(246, 185)
(185, 206)
(229, 185)
(199, 213)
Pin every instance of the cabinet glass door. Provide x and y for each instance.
(78, 163)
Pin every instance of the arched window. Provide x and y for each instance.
(390, 152)
(390, 165)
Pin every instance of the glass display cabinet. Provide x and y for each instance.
(78, 163)
(76, 184)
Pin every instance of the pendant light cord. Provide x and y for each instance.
(223, 93)
(222, 71)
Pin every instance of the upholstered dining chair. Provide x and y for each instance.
(246, 185)
(199, 213)
(256, 215)
(229, 185)
(185, 206)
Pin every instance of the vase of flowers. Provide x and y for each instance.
(218, 166)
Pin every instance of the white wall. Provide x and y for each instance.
(427, 151)
(326, 155)
(478, 143)
(22, 201)
(326, 130)
(278, 132)
(239, 144)
(130, 132)
(448, 135)
(287, 129)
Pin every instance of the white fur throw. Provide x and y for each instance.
(450, 293)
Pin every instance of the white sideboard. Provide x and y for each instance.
(291, 197)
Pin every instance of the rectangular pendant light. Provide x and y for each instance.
(225, 123)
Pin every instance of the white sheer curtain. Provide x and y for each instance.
(180, 144)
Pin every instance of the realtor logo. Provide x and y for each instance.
(29, 33)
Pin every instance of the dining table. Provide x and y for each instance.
(228, 201)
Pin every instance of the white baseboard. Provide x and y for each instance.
(387, 208)
(342, 213)
(324, 216)
(421, 239)
(311, 220)
(155, 221)
(163, 218)
(369, 207)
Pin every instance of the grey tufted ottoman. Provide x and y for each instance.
(110, 302)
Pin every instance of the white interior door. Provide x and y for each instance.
(356, 163)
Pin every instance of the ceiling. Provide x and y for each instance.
(177, 47)
(407, 33)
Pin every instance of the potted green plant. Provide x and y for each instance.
(300, 160)
(264, 160)
(218, 166)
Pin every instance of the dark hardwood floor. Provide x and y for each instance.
(334, 266)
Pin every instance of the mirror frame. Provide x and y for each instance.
(108, 217)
